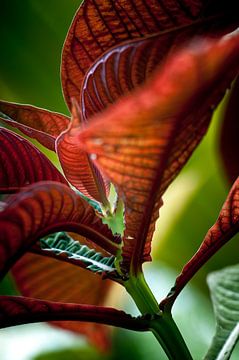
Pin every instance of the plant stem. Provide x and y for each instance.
(162, 324)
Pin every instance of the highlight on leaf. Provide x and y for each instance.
(42, 125)
(226, 226)
(22, 164)
(44, 208)
(77, 164)
(143, 141)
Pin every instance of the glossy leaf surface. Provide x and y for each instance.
(143, 141)
(45, 208)
(77, 165)
(39, 124)
(22, 164)
(50, 279)
(226, 226)
(229, 145)
(100, 25)
(19, 310)
(224, 290)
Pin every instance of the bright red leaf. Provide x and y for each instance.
(143, 141)
(39, 124)
(226, 226)
(22, 164)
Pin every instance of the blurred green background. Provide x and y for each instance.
(32, 35)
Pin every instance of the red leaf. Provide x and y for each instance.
(49, 279)
(99, 25)
(16, 310)
(77, 165)
(22, 164)
(229, 145)
(44, 208)
(226, 226)
(143, 141)
(39, 124)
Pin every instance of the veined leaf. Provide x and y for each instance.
(224, 289)
(37, 123)
(50, 279)
(226, 226)
(15, 310)
(229, 135)
(100, 25)
(77, 165)
(22, 164)
(61, 243)
(44, 208)
(143, 141)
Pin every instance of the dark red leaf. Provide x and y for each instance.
(39, 124)
(143, 141)
(77, 165)
(229, 144)
(99, 25)
(49, 279)
(226, 226)
(44, 208)
(22, 164)
(16, 310)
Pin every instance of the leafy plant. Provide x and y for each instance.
(141, 80)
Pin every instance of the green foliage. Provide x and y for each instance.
(224, 288)
(62, 243)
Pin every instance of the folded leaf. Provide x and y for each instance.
(229, 145)
(143, 141)
(22, 164)
(100, 25)
(226, 226)
(39, 124)
(77, 165)
(44, 208)
(16, 310)
(49, 279)
(224, 289)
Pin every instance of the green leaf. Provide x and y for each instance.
(224, 288)
(61, 242)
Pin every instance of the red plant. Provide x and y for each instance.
(141, 89)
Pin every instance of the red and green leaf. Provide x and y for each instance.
(226, 226)
(77, 165)
(44, 208)
(143, 141)
(22, 164)
(100, 25)
(229, 144)
(39, 124)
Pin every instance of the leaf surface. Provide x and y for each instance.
(37, 123)
(22, 164)
(77, 165)
(100, 25)
(143, 141)
(44, 208)
(224, 289)
(229, 145)
(226, 226)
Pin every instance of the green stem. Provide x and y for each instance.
(162, 324)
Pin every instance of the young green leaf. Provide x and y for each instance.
(44, 208)
(37, 123)
(224, 289)
(22, 164)
(63, 244)
(226, 226)
(143, 141)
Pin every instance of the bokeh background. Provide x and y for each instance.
(32, 35)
